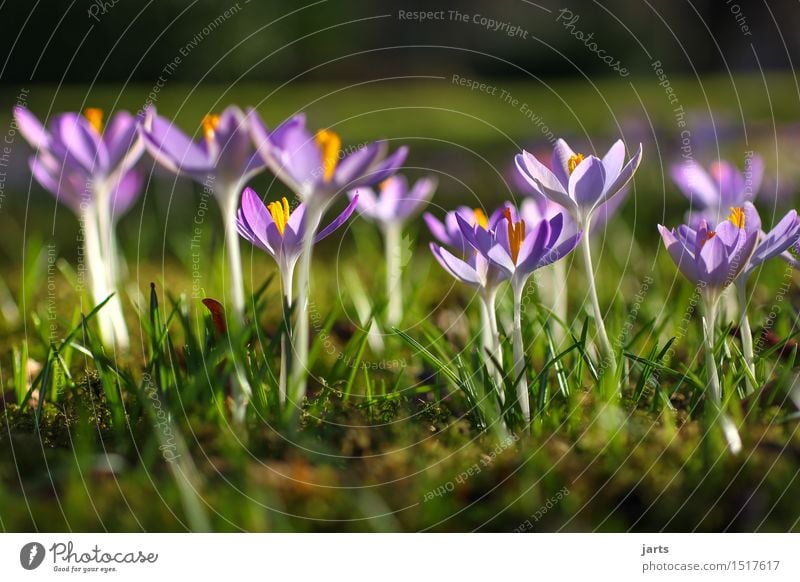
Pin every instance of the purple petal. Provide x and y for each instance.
(533, 248)
(587, 183)
(782, 236)
(173, 149)
(356, 164)
(30, 128)
(367, 201)
(624, 175)
(713, 263)
(500, 257)
(696, 185)
(565, 247)
(681, 255)
(234, 145)
(437, 229)
(338, 221)
(753, 176)
(378, 172)
(455, 266)
(560, 162)
(81, 141)
(419, 195)
(122, 140)
(126, 190)
(543, 180)
(613, 161)
(731, 184)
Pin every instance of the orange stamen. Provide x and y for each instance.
(210, 123)
(516, 234)
(94, 115)
(331, 146)
(573, 162)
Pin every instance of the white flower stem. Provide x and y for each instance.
(241, 386)
(287, 280)
(605, 344)
(491, 340)
(300, 337)
(230, 205)
(734, 441)
(100, 251)
(519, 354)
(553, 289)
(709, 323)
(392, 234)
(746, 333)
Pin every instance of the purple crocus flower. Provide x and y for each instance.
(390, 208)
(91, 170)
(315, 166)
(448, 230)
(518, 248)
(224, 159)
(582, 184)
(476, 270)
(485, 277)
(579, 183)
(225, 152)
(394, 202)
(278, 230)
(713, 259)
(713, 193)
(770, 244)
(81, 162)
(601, 216)
(774, 243)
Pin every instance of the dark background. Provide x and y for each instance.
(55, 41)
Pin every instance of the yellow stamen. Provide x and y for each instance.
(573, 162)
(480, 218)
(331, 146)
(210, 123)
(516, 234)
(280, 213)
(737, 216)
(94, 115)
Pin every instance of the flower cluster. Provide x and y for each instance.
(94, 169)
(715, 253)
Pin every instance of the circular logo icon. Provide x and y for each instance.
(31, 555)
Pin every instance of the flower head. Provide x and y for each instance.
(315, 166)
(518, 246)
(394, 202)
(580, 183)
(714, 192)
(224, 150)
(475, 269)
(448, 231)
(278, 229)
(77, 157)
(714, 258)
(770, 244)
